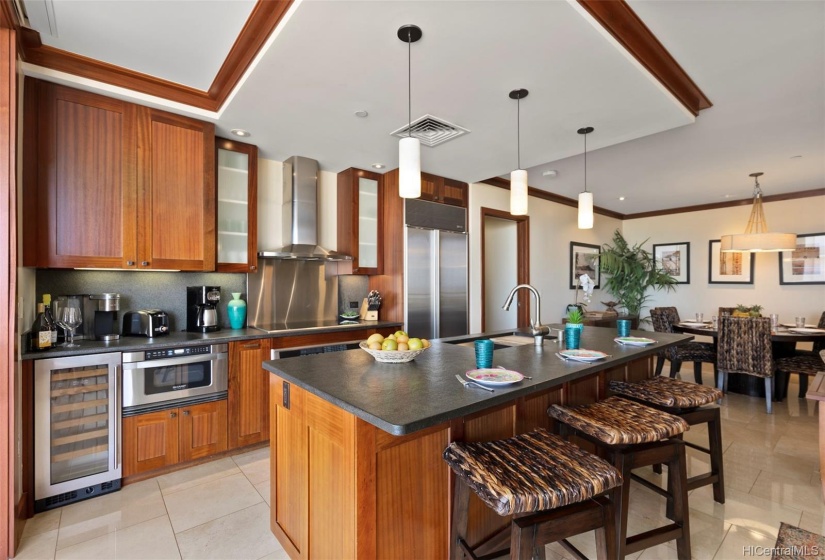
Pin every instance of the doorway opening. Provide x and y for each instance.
(505, 262)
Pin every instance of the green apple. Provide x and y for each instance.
(389, 344)
(377, 337)
(400, 333)
(415, 344)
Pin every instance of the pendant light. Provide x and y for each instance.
(757, 238)
(518, 178)
(585, 198)
(409, 148)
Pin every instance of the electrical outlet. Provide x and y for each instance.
(353, 305)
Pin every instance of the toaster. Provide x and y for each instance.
(146, 322)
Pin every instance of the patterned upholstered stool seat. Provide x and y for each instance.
(550, 486)
(633, 436)
(803, 364)
(617, 421)
(667, 392)
(530, 472)
(686, 401)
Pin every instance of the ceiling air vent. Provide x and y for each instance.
(431, 131)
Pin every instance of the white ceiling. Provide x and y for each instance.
(761, 63)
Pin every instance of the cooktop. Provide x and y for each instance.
(305, 325)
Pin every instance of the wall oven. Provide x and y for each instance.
(171, 377)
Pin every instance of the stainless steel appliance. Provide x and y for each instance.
(202, 308)
(169, 377)
(145, 322)
(435, 269)
(77, 445)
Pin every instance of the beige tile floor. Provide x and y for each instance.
(221, 509)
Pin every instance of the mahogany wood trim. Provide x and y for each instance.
(618, 19)
(552, 197)
(522, 262)
(30, 202)
(262, 21)
(726, 204)
(8, 271)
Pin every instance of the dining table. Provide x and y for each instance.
(783, 343)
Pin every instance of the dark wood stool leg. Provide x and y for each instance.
(606, 535)
(522, 541)
(620, 496)
(675, 366)
(716, 460)
(697, 372)
(657, 468)
(660, 364)
(458, 531)
(677, 481)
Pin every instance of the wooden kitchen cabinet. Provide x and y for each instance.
(248, 393)
(237, 184)
(110, 184)
(164, 438)
(360, 223)
(444, 190)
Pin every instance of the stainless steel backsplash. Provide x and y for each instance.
(287, 291)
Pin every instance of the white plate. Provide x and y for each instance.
(694, 324)
(583, 355)
(803, 330)
(634, 340)
(793, 326)
(494, 376)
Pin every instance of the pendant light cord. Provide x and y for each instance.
(409, 82)
(585, 162)
(518, 132)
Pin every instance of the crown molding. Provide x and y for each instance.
(618, 19)
(262, 21)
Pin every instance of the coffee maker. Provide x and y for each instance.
(202, 308)
(99, 312)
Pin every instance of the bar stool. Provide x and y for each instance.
(549, 486)
(687, 401)
(634, 436)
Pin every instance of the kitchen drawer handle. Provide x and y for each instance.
(173, 415)
(130, 263)
(145, 263)
(186, 413)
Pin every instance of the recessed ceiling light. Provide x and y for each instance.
(795, 157)
(240, 132)
(550, 173)
(378, 165)
(361, 113)
(622, 197)
(727, 196)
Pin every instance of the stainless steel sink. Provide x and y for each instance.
(501, 341)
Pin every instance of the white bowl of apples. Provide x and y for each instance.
(397, 348)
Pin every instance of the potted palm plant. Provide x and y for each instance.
(630, 271)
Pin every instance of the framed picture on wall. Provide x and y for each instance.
(674, 258)
(584, 259)
(728, 268)
(806, 263)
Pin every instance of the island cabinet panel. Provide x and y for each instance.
(248, 393)
(202, 430)
(289, 468)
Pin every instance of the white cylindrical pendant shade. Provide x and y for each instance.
(518, 192)
(586, 210)
(768, 242)
(409, 167)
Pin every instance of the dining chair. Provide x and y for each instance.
(663, 319)
(744, 346)
(804, 363)
(726, 311)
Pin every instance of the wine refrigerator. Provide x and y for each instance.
(77, 410)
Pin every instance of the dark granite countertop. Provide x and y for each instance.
(183, 338)
(404, 398)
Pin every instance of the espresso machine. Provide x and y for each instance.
(202, 308)
(99, 312)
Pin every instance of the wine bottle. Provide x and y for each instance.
(47, 304)
(41, 333)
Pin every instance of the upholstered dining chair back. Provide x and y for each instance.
(744, 346)
(662, 319)
(819, 345)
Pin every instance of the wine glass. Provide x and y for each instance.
(71, 318)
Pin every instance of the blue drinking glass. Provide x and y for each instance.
(572, 335)
(484, 353)
(623, 327)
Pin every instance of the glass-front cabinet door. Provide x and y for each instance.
(360, 230)
(367, 223)
(237, 179)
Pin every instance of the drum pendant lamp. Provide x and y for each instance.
(585, 198)
(409, 148)
(757, 238)
(518, 177)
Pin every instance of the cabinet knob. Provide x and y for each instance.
(144, 263)
(173, 415)
(186, 413)
(253, 268)
(130, 263)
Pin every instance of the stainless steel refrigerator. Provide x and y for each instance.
(435, 269)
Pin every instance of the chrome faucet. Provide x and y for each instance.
(536, 328)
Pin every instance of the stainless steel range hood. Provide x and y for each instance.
(299, 218)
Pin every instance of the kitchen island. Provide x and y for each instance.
(356, 444)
